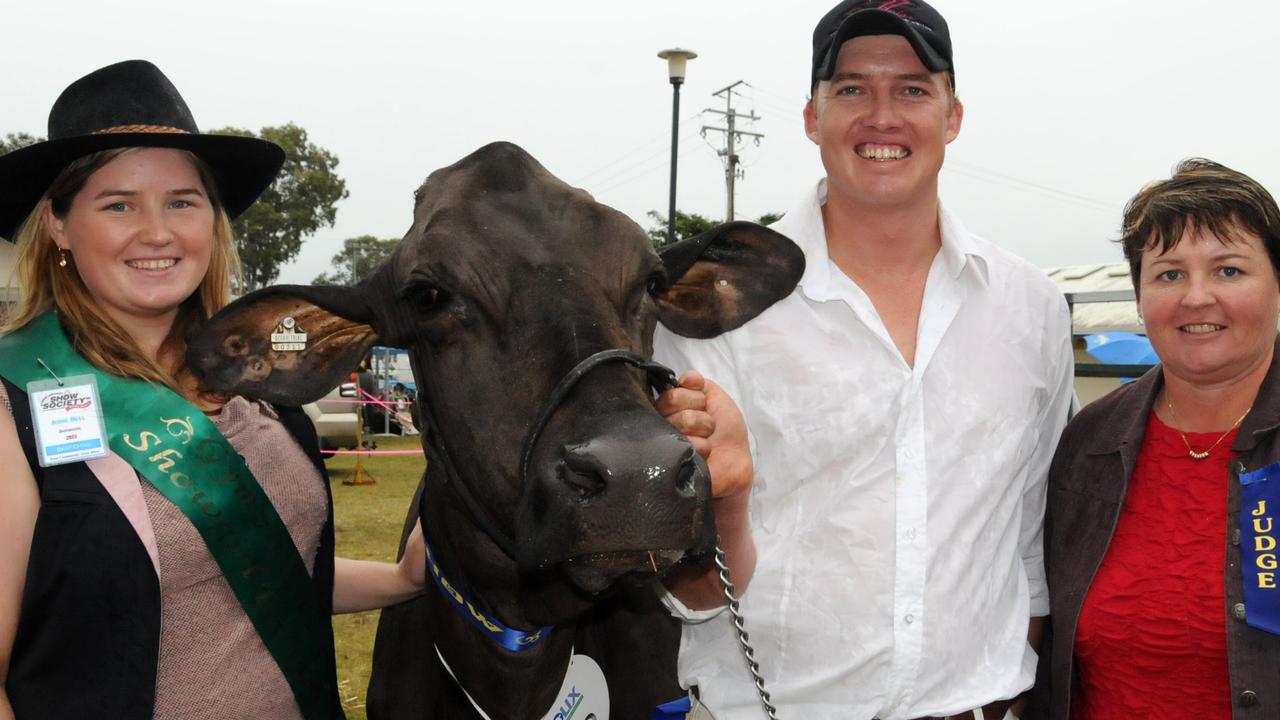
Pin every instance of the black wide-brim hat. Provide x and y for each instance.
(130, 104)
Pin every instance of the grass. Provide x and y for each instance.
(367, 523)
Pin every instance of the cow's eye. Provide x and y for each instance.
(424, 297)
(657, 283)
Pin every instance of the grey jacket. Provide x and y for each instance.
(1087, 485)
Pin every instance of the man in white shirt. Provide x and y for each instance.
(903, 405)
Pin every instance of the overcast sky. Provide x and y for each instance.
(1070, 106)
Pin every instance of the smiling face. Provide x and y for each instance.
(1210, 306)
(140, 234)
(882, 123)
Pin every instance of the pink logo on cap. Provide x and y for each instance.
(893, 5)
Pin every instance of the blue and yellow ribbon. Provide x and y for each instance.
(509, 638)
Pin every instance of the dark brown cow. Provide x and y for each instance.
(507, 280)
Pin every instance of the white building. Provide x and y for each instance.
(1102, 300)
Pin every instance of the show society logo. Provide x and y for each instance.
(572, 701)
(68, 400)
(583, 694)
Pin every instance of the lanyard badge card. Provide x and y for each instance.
(67, 417)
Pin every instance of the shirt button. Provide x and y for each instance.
(1235, 536)
(1248, 698)
(911, 533)
(909, 618)
(1238, 611)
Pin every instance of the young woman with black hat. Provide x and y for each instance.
(164, 552)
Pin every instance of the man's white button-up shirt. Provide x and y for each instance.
(896, 510)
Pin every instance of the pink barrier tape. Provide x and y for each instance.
(372, 452)
(399, 415)
(347, 401)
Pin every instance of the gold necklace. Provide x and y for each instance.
(1196, 455)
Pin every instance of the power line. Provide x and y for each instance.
(656, 165)
(788, 100)
(777, 108)
(639, 148)
(980, 173)
(613, 164)
(653, 156)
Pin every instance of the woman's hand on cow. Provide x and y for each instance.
(712, 422)
(360, 585)
(413, 564)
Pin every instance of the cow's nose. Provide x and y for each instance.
(590, 468)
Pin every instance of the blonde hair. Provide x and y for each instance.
(98, 338)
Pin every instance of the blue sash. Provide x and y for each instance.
(1259, 505)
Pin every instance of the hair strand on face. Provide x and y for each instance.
(1203, 196)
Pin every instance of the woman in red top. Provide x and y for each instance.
(1146, 572)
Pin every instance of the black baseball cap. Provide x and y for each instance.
(915, 20)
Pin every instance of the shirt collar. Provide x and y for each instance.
(959, 251)
(803, 224)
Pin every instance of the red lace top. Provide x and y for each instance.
(1151, 641)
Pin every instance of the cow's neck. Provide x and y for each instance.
(504, 683)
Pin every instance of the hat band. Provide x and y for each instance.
(141, 129)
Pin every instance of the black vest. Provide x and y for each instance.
(88, 635)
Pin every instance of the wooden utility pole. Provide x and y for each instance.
(731, 137)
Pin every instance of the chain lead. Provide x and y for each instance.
(743, 639)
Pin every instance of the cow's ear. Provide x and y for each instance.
(288, 344)
(724, 277)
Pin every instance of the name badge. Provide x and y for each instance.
(68, 420)
(1259, 555)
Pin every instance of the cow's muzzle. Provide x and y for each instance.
(634, 499)
(631, 490)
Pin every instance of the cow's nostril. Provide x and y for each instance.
(687, 479)
(584, 470)
(583, 480)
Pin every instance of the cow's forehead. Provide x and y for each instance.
(500, 204)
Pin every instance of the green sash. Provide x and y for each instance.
(178, 450)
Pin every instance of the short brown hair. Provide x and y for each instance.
(1201, 195)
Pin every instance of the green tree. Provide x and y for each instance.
(687, 225)
(358, 257)
(13, 141)
(690, 224)
(302, 200)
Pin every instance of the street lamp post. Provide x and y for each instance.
(676, 59)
